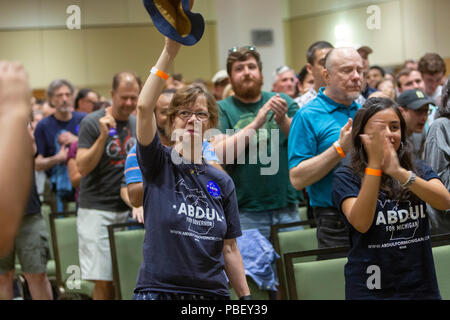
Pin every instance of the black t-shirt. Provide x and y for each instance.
(34, 203)
(393, 259)
(188, 211)
(100, 189)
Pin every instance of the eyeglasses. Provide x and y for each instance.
(186, 115)
(235, 49)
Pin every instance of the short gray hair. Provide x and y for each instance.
(280, 70)
(56, 84)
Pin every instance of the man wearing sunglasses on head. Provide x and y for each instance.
(252, 116)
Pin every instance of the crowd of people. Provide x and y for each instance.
(197, 165)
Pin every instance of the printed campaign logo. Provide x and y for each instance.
(194, 196)
(213, 189)
(119, 145)
(401, 219)
(200, 218)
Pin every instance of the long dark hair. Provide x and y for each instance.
(81, 95)
(359, 160)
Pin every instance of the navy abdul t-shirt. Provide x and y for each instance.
(396, 250)
(188, 211)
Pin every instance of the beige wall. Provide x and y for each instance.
(19, 14)
(301, 8)
(118, 35)
(409, 28)
(118, 38)
(91, 56)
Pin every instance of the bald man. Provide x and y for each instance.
(105, 137)
(320, 138)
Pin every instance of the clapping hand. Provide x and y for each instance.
(279, 107)
(380, 150)
(345, 136)
(374, 141)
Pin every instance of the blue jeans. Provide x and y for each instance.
(150, 295)
(331, 231)
(262, 220)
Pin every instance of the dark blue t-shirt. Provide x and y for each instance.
(46, 137)
(188, 211)
(48, 130)
(396, 250)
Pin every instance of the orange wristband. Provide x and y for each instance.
(374, 172)
(339, 150)
(159, 73)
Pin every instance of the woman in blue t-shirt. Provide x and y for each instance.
(382, 194)
(190, 208)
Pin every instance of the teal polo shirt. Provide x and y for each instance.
(314, 128)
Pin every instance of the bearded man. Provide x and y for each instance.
(53, 135)
(255, 118)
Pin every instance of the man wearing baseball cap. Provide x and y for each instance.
(414, 105)
(220, 81)
(364, 52)
(366, 89)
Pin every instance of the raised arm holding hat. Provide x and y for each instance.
(185, 255)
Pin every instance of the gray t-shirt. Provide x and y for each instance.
(417, 140)
(437, 155)
(437, 149)
(100, 189)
